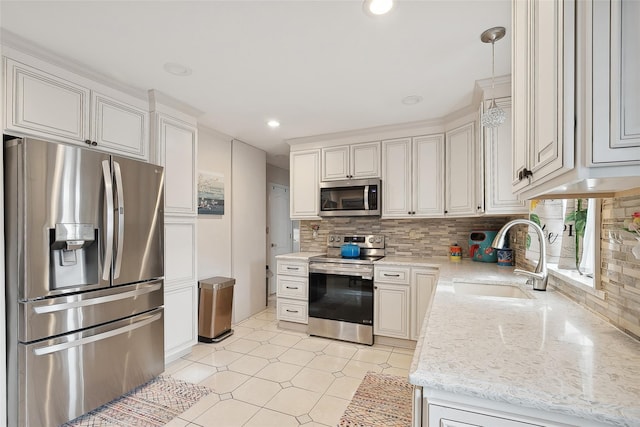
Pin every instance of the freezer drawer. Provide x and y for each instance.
(61, 374)
(60, 315)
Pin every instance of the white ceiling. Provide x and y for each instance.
(317, 66)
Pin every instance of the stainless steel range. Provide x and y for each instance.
(341, 289)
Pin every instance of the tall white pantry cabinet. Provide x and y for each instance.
(175, 137)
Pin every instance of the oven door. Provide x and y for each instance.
(341, 297)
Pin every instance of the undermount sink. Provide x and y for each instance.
(489, 290)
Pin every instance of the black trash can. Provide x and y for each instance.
(215, 303)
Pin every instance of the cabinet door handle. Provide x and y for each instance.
(94, 143)
(390, 275)
(292, 311)
(87, 141)
(292, 287)
(293, 268)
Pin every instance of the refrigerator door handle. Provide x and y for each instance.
(108, 194)
(120, 213)
(77, 343)
(143, 290)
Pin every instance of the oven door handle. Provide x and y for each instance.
(365, 273)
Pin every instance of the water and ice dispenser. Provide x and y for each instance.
(73, 255)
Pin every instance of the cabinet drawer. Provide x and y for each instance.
(392, 274)
(292, 310)
(293, 287)
(293, 268)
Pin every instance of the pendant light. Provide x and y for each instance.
(494, 116)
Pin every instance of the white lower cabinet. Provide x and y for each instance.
(292, 290)
(391, 310)
(180, 320)
(442, 416)
(401, 297)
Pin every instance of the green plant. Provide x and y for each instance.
(579, 217)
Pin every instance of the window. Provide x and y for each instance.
(572, 234)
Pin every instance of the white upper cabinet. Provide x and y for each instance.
(351, 161)
(177, 142)
(118, 126)
(542, 55)
(499, 198)
(413, 177)
(615, 83)
(304, 178)
(460, 170)
(51, 103)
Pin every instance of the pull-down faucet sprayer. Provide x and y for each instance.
(538, 277)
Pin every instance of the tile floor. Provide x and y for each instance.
(264, 376)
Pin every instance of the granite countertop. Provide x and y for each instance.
(546, 352)
(300, 256)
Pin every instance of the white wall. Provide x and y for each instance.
(276, 175)
(248, 228)
(214, 231)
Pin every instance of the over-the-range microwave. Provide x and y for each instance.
(353, 197)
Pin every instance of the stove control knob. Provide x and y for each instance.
(370, 239)
(337, 238)
(378, 239)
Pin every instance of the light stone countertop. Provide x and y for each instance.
(546, 353)
(299, 256)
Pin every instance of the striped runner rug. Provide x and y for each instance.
(152, 404)
(380, 400)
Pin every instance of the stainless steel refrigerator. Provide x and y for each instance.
(84, 236)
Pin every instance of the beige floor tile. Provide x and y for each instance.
(314, 424)
(266, 315)
(297, 357)
(242, 346)
(357, 369)
(239, 332)
(268, 418)
(268, 351)
(227, 413)
(255, 323)
(220, 358)
(177, 422)
(195, 372)
(176, 365)
(200, 407)
(328, 363)
(340, 349)
(293, 401)
(257, 391)
(401, 350)
(398, 372)
(260, 335)
(398, 360)
(248, 365)
(328, 410)
(285, 340)
(370, 355)
(344, 387)
(313, 379)
(199, 350)
(225, 382)
(279, 372)
(312, 344)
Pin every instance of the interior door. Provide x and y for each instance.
(280, 227)
(139, 225)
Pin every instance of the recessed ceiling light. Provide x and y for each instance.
(412, 100)
(377, 7)
(177, 69)
(273, 123)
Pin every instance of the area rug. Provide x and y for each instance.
(381, 400)
(152, 404)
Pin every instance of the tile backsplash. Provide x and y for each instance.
(404, 237)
